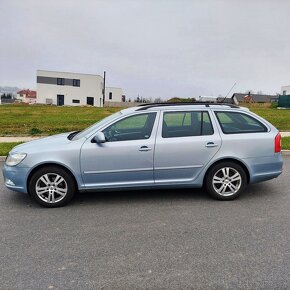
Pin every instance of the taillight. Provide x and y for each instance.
(278, 141)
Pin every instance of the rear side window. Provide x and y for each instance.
(185, 124)
(236, 122)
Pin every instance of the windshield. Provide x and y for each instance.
(93, 127)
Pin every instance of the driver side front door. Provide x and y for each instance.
(126, 158)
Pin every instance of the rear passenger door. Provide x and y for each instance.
(186, 141)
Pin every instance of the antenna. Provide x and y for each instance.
(228, 92)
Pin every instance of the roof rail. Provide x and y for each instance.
(207, 104)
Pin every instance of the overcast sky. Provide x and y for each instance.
(152, 48)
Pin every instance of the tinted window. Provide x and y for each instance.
(60, 81)
(183, 124)
(76, 82)
(235, 122)
(131, 128)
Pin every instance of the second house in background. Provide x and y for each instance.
(73, 89)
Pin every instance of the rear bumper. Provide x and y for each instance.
(15, 178)
(264, 168)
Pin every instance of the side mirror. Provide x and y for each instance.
(100, 137)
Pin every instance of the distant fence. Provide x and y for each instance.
(122, 104)
(7, 101)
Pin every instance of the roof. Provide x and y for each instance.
(225, 100)
(28, 93)
(258, 98)
(182, 104)
(66, 72)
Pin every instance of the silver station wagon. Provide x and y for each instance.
(218, 146)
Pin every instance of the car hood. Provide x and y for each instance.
(42, 143)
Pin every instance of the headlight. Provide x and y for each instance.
(15, 158)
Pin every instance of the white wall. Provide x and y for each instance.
(285, 88)
(116, 94)
(90, 86)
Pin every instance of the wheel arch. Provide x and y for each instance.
(42, 165)
(229, 159)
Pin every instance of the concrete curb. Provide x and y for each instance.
(284, 152)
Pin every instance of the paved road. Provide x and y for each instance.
(170, 239)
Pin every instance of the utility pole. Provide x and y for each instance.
(104, 88)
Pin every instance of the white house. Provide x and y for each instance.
(285, 90)
(113, 94)
(65, 88)
(26, 96)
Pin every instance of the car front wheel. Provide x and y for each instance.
(226, 181)
(52, 186)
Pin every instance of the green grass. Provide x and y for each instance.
(279, 118)
(21, 120)
(6, 147)
(286, 143)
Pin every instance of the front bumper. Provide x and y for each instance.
(15, 178)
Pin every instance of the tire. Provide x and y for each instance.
(52, 186)
(226, 180)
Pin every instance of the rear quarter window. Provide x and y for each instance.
(236, 123)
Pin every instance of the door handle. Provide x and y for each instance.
(211, 144)
(144, 148)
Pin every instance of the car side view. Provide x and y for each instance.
(222, 147)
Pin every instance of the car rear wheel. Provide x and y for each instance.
(226, 181)
(52, 186)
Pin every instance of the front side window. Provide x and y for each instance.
(185, 124)
(236, 122)
(136, 127)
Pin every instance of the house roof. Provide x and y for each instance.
(28, 93)
(255, 97)
(225, 100)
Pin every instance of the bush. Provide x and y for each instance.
(274, 105)
(34, 131)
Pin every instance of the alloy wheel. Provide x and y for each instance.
(227, 181)
(51, 187)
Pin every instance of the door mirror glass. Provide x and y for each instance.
(100, 137)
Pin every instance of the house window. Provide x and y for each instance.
(284, 93)
(76, 83)
(110, 95)
(60, 81)
(76, 101)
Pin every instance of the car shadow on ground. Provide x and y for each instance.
(254, 191)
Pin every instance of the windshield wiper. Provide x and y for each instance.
(71, 135)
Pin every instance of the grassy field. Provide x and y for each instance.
(6, 147)
(279, 118)
(21, 120)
